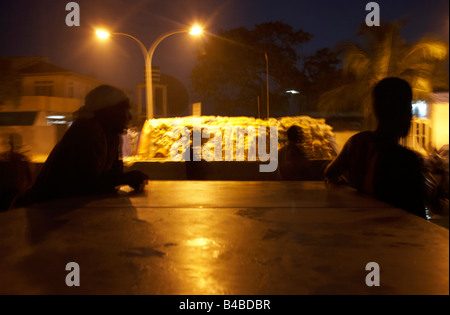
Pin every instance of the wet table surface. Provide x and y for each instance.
(237, 238)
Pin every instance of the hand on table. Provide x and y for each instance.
(136, 180)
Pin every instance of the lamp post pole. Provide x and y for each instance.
(148, 71)
(148, 56)
(148, 74)
(267, 79)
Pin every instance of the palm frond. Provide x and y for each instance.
(427, 49)
(384, 53)
(343, 99)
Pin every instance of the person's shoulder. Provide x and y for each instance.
(358, 140)
(362, 136)
(90, 125)
(89, 128)
(293, 150)
(82, 132)
(283, 148)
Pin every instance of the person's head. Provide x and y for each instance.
(392, 103)
(295, 134)
(109, 105)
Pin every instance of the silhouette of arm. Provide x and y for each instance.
(337, 168)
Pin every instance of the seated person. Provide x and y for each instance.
(374, 163)
(86, 160)
(291, 158)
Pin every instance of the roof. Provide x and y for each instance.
(16, 63)
(42, 67)
(441, 98)
(35, 65)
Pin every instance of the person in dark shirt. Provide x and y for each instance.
(292, 161)
(374, 163)
(86, 160)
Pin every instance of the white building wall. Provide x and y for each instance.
(440, 124)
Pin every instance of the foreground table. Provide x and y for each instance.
(188, 237)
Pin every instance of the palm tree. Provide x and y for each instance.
(384, 53)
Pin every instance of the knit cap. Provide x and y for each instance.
(99, 98)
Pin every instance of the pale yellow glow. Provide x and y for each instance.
(102, 34)
(440, 124)
(199, 242)
(196, 30)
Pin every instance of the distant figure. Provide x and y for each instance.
(291, 158)
(374, 163)
(15, 172)
(86, 160)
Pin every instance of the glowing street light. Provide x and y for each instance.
(102, 34)
(148, 56)
(196, 30)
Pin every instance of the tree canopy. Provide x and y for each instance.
(231, 68)
(323, 73)
(384, 53)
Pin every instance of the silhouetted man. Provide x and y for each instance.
(374, 163)
(86, 160)
(292, 161)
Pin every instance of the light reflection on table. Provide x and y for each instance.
(188, 237)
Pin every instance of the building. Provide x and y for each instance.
(430, 124)
(170, 97)
(37, 100)
(440, 120)
(159, 97)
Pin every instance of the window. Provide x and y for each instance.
(43, 88)
(70, 93)
(420, 109)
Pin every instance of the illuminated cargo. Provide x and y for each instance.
(158, 136)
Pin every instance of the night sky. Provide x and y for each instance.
(37, 28)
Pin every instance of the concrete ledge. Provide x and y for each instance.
(240, 171)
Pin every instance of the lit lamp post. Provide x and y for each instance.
(267, 82)
(148, 55)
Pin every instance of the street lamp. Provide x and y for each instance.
(267, 82)
(148, 56)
